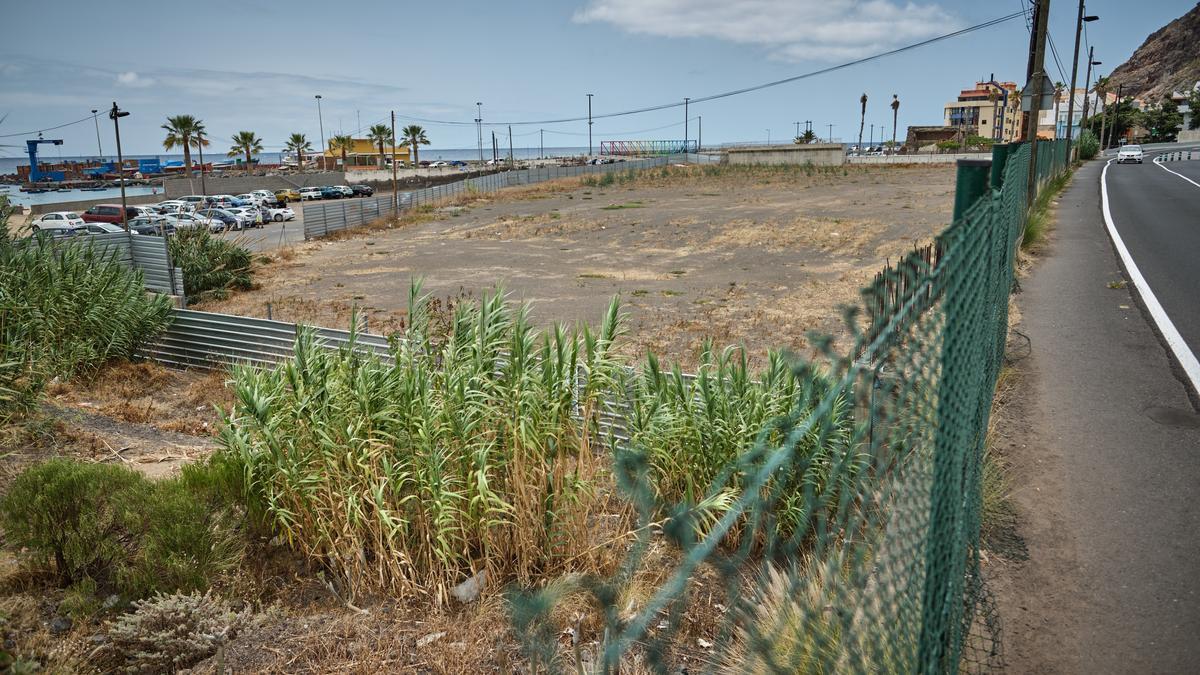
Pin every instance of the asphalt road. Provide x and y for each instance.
(1106, 473)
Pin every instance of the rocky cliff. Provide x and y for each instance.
(1169, 60)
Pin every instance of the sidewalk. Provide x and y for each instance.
(1105, 471)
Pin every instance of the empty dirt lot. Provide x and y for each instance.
(746, 255)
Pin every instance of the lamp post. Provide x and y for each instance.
(321, 123)
(685, 123)
(99, 147)
(479, 130)
(699, 132)
(115, 114)
(1079, 21)
(768, 136)
(200, 147)
(830, 132)
(589, 125)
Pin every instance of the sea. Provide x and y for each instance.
(9, 164)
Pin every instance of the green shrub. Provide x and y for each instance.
(64, 308)
(1089, 145)
(209, 264)
(168, 633)
(108, 525)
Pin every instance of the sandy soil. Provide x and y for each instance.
(752, 257)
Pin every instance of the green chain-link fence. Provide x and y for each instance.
(845, 537)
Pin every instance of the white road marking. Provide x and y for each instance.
(1187, 360)
(1160, 165)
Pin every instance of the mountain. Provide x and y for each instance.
(1168, 61)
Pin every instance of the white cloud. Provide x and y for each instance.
(791, 30)
(131, 79)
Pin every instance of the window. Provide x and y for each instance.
(52, 216)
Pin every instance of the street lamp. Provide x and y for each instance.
(99, 147)
(589, 125)
(768, 136)
(321, 122)
(1087, 86)
(115, 115)
(685, 123)
(479, 129)
(1079, 21)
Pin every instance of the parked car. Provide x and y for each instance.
(458, 162)
(288, 195)
(151, 226)
(248, 216)
(192, 220)
(267, 195)
(346, 190)
(438, 164)
(362, 190)
(109, 213)
(330, 192)
(227, 218)
(58, 222)
(194, 200)
(310, 193)
(106, 228)
(423, 162)
(1130, 154)
(279, 214)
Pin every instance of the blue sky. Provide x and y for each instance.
(256, 65)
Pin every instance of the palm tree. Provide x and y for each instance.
(994, 98)
(245, 142)
(187, 132)
(380, 135)
(414, 136)
(895, 115)
(344, 144)
(862, 121)
(1101, 89)
(298, 144)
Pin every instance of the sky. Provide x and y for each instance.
(256, 65)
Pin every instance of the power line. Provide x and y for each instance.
(1057, 63)
(621, 133)
(745, 90)
(38, 131)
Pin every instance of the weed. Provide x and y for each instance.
(1118, 285)
(1038, 222)
(209, 264)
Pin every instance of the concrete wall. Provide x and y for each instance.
(818, 154)
(85, 204)
(1189, 136)
(236, 185)
(945, 158)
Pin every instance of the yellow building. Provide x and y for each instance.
(365, 152)
(991, 110)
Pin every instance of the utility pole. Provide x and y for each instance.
(479, 130)
(699, 132)
(831, 133)
(495, 156)
(1037, 68)
(797, 129)
(511, 161)
(589, 125)
(200, 147)
(99, 147)
(871, 142)
(321, 122)
(541, 144)
(1116, 113)
(768, 136)
(1087, 87)
(115, 115)
(395, 187)
(1079, 21)
(685, 123)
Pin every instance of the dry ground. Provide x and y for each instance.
(756, 256)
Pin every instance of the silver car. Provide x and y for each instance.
(1130, 154)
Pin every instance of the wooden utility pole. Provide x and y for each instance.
(1037, 66)
(395, 190)
(511, 159)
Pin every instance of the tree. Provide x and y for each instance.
(994, 97)
(895, 116)
(184, 131)
(1059, 88)
(1193, 102)
(1163, 122)
(342, 144)
(1101, 88)
(414, 136)
(862, 121)
(1123, 117)
(298, 144)
(380, 135)
(245, 142)
(807, 137)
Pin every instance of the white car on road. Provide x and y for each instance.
(1130, 153)
(59, 223)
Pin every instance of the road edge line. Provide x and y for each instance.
(1160, 165)
(1183, 355)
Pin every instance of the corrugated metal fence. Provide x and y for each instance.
(145, 253)
(323, 219)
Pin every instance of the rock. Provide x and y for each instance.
(430, 639)
(469, 590)
(60, 625)
(98, 639)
